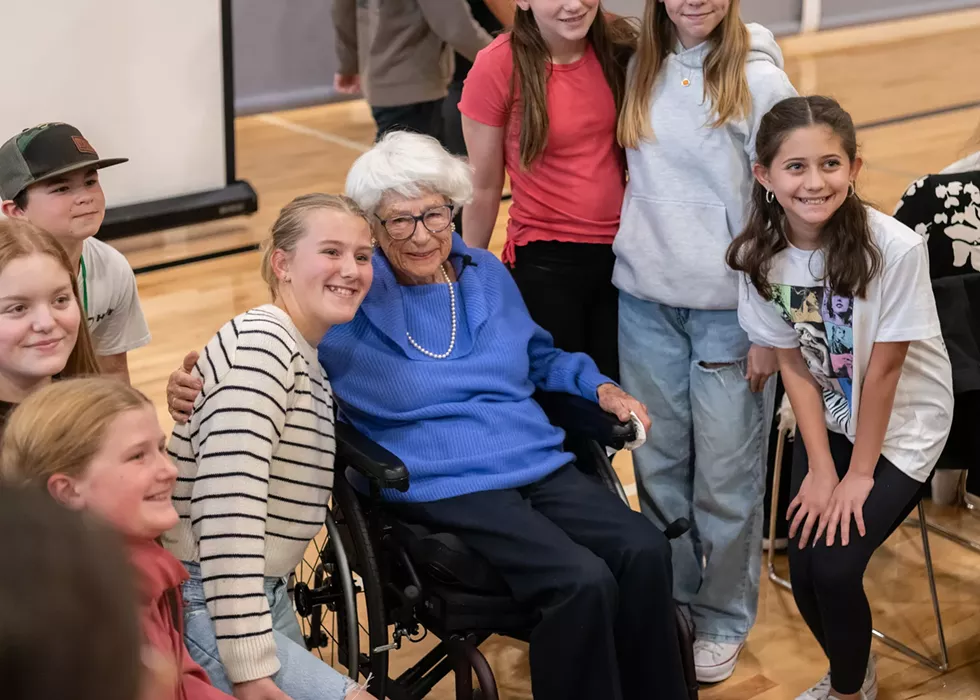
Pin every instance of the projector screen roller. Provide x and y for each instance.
(141, 79)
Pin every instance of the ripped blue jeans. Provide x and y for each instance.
(301, 675)
(705, 455)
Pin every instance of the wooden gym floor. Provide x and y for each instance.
(912, 88)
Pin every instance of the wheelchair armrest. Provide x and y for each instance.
(579, 416)
(370, 459)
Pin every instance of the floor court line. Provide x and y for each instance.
(166, 265)
(315, 133)
(913, 116)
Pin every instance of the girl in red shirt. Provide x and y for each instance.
(540, 103)
(96, 445)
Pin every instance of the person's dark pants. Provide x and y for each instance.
(828, 581)
(452, 121)
(421, 117)
(569, 292)
(452, 132)
(598, 573)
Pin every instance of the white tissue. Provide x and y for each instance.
(641, 434)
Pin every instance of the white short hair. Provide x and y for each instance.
(410, 165)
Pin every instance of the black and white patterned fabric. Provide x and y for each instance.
(945, 209)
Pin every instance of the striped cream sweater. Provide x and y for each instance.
(256, 468)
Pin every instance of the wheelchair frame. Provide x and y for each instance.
(360, 533)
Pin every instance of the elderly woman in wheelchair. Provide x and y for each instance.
(443, 367)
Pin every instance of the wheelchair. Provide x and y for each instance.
(416, 581)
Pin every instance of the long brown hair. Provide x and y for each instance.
(725, 82)
(851, 257)
(60, 428)
(613, 39)
(19, 239)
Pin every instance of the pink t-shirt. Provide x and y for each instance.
(574, 191)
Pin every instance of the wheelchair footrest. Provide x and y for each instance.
(449, 611)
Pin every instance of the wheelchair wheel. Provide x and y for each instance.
(357, 536)
(323, 584)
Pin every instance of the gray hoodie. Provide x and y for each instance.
(689, 186)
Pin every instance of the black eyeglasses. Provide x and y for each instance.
(403, 226)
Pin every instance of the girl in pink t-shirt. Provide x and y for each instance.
(541, 104)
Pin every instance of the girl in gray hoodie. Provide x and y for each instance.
(697, 89)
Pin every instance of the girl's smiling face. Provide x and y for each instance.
(810, 177)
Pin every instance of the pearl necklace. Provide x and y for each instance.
(452, 338)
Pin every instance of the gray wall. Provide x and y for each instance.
(840, 13)
(284, 54)
(781, 16)
(284, 49)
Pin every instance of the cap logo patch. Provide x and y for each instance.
(83, 145)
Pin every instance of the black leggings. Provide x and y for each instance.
(828, 581)
(569, 292)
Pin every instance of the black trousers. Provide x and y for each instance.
(598, 572)
(421, 117)
(452, 133)
(569, 292)
(452, 121)
(828, 581)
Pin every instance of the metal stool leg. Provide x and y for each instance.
(943, 664)
(774, 511)
(948, 534)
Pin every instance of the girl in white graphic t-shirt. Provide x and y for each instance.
(865, 368)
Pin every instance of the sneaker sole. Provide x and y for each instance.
(719, 673)
(872, 692)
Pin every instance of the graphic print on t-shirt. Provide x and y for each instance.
(823, 322)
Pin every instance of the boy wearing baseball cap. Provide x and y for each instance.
(49, 176)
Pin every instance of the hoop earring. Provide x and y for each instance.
(770, 196)
(851, 191)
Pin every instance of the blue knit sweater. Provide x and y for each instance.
(466, 423)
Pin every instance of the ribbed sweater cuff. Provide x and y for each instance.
(590, 383)
(250, 658)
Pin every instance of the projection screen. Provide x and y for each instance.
(150, 80)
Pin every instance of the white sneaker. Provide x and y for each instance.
(869, 689)
(715, 661)
(821, 691)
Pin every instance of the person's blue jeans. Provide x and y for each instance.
(705, 455)
(301, 675)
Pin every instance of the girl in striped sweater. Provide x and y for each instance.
(256, 458)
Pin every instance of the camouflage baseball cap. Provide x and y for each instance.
(43, 152)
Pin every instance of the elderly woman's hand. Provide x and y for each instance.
(614, 400)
